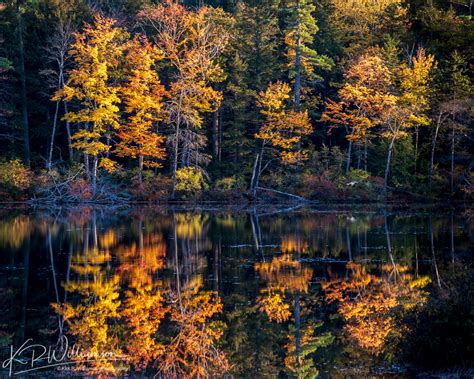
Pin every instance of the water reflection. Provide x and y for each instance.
(201, 294)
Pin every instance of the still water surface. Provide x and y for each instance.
(257, 293)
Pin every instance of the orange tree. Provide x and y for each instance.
(371, 305)
(363, 99)
(192, 42)
(142, 95)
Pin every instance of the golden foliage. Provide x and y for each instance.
(285, 273)
(190, 225)
(190, 179)
(89, 321)
(415, 86)
(282, 274)
(294, 245)
(14, 232)
(96, 51)
(275, 308)
(143, 310)
(191, 42)
(192, 353)
(143, 100)
(359, 22)
(14, 175)
(364, 98)
(283, 128)
(368, 303)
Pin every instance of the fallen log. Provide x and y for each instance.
(283, 193)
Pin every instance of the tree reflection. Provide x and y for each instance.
(90, 321)
(122, 299)
(300, 363)
(144, 307)
(14, 232)
(192, 352)
(286, 277)
(371, 304)
(282, 274)
(138, 287)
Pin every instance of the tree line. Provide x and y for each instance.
(157, 100)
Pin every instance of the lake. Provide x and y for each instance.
(262, 292)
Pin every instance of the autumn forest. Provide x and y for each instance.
(236, 100)
(236, 188)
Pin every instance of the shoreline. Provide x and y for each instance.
(269, 206)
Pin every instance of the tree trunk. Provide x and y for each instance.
(433, 147)
(349, 153)
(140, 168)
(452, 161)
(24, 290)
(24, 105)
(68, 127)
(175, 160)
(435, 264)
(184, 149)
(298, 64)
(417, 132)
(87, 164)
(220, 135)
(297, 330)
(176, 146)
(254, 174)
(257, 170)
(387, 167)
(389, 242)
(51, 143)
(348, 241)
(365, 154)
(452, 237)
(215, 135)
(94, 173)
(176, 260)
(359, 156)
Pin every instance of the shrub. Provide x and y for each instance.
(152, 188)
(229, 183)
(356, 175)
(80, 189)
(319, 188)
(329, 161)
(190, 179)
(15, 177)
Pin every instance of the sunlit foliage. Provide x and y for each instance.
(193, 351)
(370, 304)
(283, 128)
(143, 100)
(96, 51)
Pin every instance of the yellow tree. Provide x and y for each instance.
(96, 52)
(282, 128)
(142, 95)
(412, 103)
(358, 23)
(192, 43)
(364, 98)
